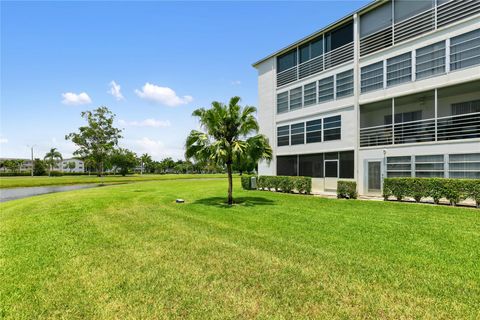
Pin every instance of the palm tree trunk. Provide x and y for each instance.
(230, 184)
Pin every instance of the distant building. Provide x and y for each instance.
(62, 166)
(25, 167)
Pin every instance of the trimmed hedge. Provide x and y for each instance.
(454, 190)
(15, 174)
(285, 184)
(247, 182)
(346, 189)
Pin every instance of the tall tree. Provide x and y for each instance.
(52, 158)
(230, 133)
(145, 162)
(124, 160)
(98, 138)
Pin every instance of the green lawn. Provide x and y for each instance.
(16, 182)
(129, 251)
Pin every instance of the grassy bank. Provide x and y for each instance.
(17, 182)
(129, 251)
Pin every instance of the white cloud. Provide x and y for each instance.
(156, 148)
(115, 91)
(3, 140)
(236, 82)
(70, 98)
(146, 123)
(162, 95)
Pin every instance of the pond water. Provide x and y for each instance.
(18, 193)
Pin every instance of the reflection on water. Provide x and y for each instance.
(18, 193)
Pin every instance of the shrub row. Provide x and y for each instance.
(247, 182)
(454, 190)
(346, 189)
(15, 174)
(285, 184)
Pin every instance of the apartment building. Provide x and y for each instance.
(391, 90)
(77, 167)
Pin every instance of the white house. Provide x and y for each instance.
(391, 90)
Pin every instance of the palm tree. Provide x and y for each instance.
(145, 161)
(52, 157)
(230, 133)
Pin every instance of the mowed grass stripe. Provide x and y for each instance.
(130, 251)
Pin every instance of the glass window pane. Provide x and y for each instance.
(310, 94)
(286, 165)
(405, 9)
(325, 89)
(316, 47)
(430, 60)
(297, 133)
(346, 164)
(332, 128)
(314, 131)
(376, 20)
(305, 52)
(399, 69)
(282, 102)
(339, 37)
(345, 84)
(287, 60)
(283, 135)
(296, 98)
(465, 50)
(372, 77)
(311, 165)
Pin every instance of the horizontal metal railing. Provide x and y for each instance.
(287, 76)
(338, 56)
(310, 67)
(465, 126)
(436, 17)
(414, 26)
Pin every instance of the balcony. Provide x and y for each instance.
(420, 23)
(438, 115)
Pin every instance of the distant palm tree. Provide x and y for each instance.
(230, 134)
(145, 160)
(52, 158)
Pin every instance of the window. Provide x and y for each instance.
(314, 131)
(311, 49)
(372, 77)
(346, 164)
(465, 50)
(332, 128)
(287, 60)
(310, 94)
(405, 9)
(287, 166)
(429, 166)
(282, 102)
(297, 132)
(345, 84)
(404, 117)
(465, 107)
(296, 98)
(399, 167)
(399, 69)
(311, 165)
(376, 20)
(339, 37)
(325, 89)
(464, 166)
(283, 135)
(430, 60)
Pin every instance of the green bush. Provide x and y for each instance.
(55, 174)
(285, 184)
(15, 174)
(454, 190)
(346, 189)
(303, 184)
(247, 182)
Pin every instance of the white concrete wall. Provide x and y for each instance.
(266, 110)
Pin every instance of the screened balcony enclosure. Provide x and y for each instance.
(449, 113)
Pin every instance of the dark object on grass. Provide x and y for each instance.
(180, 201)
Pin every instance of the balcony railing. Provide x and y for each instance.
(442, 15)
(326, 61)
(465, 126)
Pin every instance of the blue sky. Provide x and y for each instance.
(151, 63)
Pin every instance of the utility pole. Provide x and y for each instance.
(31, 149)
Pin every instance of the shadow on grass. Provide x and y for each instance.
(238, 201)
